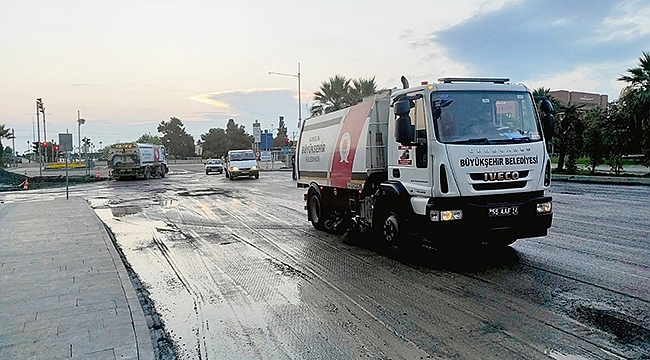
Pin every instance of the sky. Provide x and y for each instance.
(127, 65)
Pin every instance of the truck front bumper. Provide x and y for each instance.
(485, 219)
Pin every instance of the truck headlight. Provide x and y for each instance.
(234, 168)
(445, 215)
(544, 208)
(253, 167)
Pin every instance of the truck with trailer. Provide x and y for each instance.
(456, 162)
(137, 161)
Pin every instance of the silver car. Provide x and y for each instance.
(213, 165)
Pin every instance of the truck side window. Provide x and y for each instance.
(418, 117)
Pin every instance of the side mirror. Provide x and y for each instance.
(547, 107)
(402, 107)
(403, 128)
(548, 122)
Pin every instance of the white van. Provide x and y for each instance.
(241, 163)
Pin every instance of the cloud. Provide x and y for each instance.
(245, 106)
(537, 40)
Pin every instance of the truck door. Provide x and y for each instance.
(410, 163)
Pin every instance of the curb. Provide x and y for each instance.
(601, 179)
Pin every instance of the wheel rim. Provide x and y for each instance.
(391, 230)
(314, 209)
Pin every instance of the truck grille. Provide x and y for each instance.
(480, 184)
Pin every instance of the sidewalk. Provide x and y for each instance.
(65, 291)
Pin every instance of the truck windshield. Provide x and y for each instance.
(484, 117)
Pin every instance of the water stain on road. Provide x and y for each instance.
(207, 192)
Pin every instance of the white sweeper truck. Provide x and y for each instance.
(459, 161)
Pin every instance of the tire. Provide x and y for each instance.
(257, 176)
(207, 172)
(315, 211)
(162, 173)
(390, 230)
(147, 173)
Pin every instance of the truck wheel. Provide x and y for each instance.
(207, 172)
(162, 173)
(257, 176)
(391, 232)
(147, 173)
(315, 210)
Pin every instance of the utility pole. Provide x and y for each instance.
(44, 133)
(39, 104)
(13, 145)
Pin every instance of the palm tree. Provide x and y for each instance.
(334, 94)
(362, 88)
(637, 96)
(338, 93)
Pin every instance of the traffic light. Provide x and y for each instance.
(286, 141)
(40, 105)
(35, 146)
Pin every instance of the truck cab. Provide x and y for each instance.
(472, 151)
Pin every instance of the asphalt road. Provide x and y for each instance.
(236, 271)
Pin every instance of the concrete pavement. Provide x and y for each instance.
(64, 290)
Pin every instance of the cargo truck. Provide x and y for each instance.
(137, 161)
(459, 161)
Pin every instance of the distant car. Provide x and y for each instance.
(213, 165)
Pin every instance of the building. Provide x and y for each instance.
(590, 100)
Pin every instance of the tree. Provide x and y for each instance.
(177, 141)
(338, 93)
(594, 137)
(637, 96)
(237, 138)
(215, 143)
(147, 138)
(5, 133)
(569, 130)
(362, 88)
(617, 138)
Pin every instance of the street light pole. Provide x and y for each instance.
(299, 99)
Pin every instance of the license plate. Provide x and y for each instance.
(503, 211)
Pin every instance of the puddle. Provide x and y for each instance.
(620, 325)
(206, 192)
(125, 210)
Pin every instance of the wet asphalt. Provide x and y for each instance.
(66, 290)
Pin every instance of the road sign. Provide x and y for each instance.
(65, 142)
(256, 131)
(266, 156)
